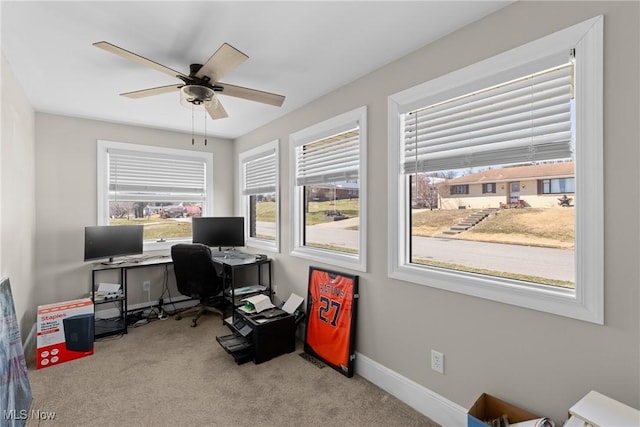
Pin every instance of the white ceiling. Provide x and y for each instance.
(298, 49)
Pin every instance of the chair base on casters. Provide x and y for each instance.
(201, 309)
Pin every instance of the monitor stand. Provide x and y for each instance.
(231, 253)
(218, 253)
(112, 262)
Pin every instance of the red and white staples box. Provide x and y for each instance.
(65, 332)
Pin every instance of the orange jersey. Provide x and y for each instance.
(329, 321)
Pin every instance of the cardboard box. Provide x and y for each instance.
(488, 408)
(64, 332)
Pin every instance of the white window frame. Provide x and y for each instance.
(103, 182)
(586, 302)
(313, 133)
(262, 150)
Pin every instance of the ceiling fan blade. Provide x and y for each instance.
(251, 94)
(218, 112)
(137, 58)
(152, 91)
(225, 59)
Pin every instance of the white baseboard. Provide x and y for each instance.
(423, 400)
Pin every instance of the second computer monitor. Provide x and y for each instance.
(109, 241)
(218, 231)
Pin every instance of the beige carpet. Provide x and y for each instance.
(167, 373)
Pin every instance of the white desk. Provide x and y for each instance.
(598, 410)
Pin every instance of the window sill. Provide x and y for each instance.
(548, 299)
(352, 262)
(263, 244)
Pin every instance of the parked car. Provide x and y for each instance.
(174, 211)
(193, 210)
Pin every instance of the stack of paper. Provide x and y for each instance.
(292, 303)
(256, 304)
(107, 291)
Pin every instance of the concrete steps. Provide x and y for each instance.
(469, 222)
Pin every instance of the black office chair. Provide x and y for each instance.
(197, 276)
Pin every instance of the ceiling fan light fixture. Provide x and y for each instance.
(198, 97)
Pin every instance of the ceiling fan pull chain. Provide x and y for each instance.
(192, 124)
(205, 127)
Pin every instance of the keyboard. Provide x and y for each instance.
(233, 255)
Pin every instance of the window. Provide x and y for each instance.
(530, 108)
(328, 187)
(557, 186)
(259, 198)
(161, 188)
(459, 189)
(489, 188)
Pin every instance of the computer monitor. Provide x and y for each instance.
(109, 241)
(218, 231)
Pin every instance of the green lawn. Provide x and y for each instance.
(156, 227)
(553, 227)
(266, 211)
(556, 224)
(507, 275)
(317, 212)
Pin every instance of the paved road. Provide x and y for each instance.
(550, 263)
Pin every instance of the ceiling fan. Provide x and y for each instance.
(201, 87)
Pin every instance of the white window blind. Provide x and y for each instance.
(523, 120)
(332, 159)
(145, 176)
(260, 173)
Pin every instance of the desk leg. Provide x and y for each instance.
(123, 280)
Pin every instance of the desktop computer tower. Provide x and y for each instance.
(78, 332)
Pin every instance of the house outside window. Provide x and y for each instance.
(260, 196)
(160, 188)
(514, 186)
(537, 107)
(328, 187)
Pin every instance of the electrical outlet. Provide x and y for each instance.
(437, 361)
(146, 285)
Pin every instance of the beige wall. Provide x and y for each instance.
(66, 200)
(540, 361)
(17, 197)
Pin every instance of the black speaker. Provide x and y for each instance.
(78, 332)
